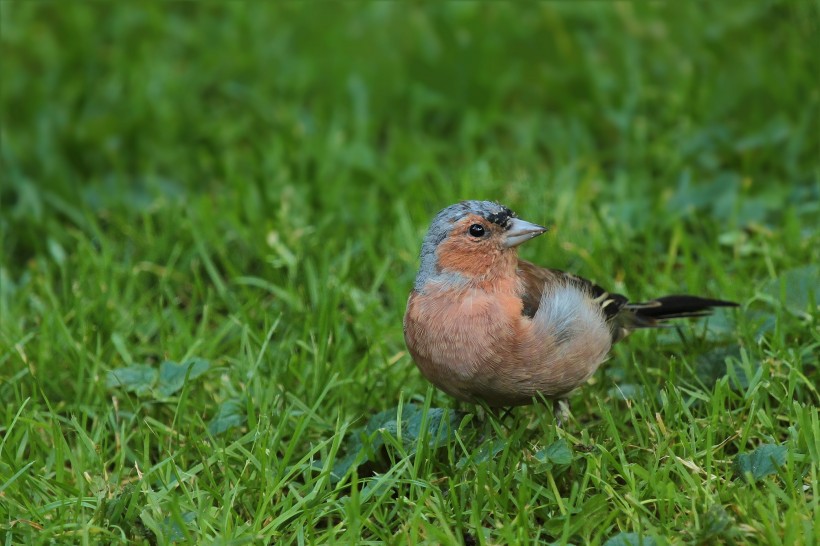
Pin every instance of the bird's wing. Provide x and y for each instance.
(533, 279)
(621, 315)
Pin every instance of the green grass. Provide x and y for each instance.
(249, 185)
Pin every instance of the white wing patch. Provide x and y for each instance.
(568, 314)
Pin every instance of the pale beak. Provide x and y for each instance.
(521, 232)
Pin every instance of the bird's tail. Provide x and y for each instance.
(654, 313)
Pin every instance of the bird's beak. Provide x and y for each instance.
(521, 232)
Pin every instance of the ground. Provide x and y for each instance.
(211, 216)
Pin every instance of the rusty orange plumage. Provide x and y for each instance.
(484, 326)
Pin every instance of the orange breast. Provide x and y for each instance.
(456, 339)
(477, 346)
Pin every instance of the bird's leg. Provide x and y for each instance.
(560, 409)
(491, 417)
(507, 412)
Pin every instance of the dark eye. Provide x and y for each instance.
(476, 230)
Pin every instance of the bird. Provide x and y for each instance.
(485, 326)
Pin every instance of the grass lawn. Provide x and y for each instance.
(211, 215)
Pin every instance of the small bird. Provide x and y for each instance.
(484, 326)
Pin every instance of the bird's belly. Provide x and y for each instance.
(457, 344)
(480, 348)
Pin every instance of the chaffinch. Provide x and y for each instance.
(483, 325)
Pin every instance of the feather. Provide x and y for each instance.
(622, 316)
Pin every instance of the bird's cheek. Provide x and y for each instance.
(462, 258)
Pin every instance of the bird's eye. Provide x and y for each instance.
(476, 230)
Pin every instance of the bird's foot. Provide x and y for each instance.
(560, 409)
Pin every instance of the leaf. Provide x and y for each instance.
(142, 378)
(486, 452)
(720, 326)
(385, 421)
(172, 375)
(761, 462)
(796, 289)
(172, 528)
(557, 453)
(630, 539)
(626, 391)
(716, 523)
(138, 378)
(712, 365)
(714, 195)
(342, 466)
(439, 426)
(436, 425)
(229, 415)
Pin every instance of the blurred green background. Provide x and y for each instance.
(250, 183)
(350, 110)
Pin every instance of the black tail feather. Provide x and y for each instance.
(672, 307)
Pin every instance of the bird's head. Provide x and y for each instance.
(472, 241)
